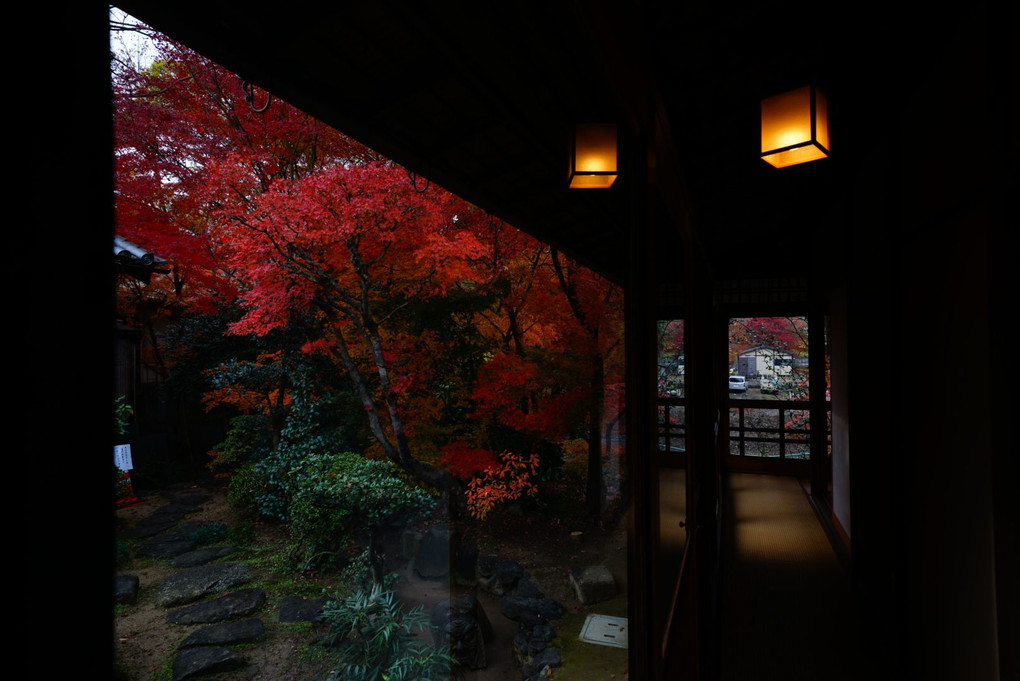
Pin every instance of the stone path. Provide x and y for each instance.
(206, 589)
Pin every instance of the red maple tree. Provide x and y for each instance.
(306, 230)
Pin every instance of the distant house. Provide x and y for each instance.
(671, 375)
(136, 261)
(671, 366)
(137, 385)
(132, 261)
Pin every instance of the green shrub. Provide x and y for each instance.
(122, 413)
(311, 430)
(247, 440)
(343, 497)
(316, 528)
(246, 487)
(358, 573)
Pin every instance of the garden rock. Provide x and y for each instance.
(228, 606)
(547, 658)
(191, 584)
(201, 556)
(167, 516)
(176, 510)
(526, 646)
(593, 584)
(530, 612)
(151, 526)
(297, 609)
(226, 633)
(433, 559)
(544, 674)
(166, 548)
(504, 577)
(410, 540)
(459, 624)
(535, 641)
(458, 605)
(527, 588)
(485, 565)
(204, 660)
(125, 589)
(466, 563)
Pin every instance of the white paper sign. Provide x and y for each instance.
(122, 457)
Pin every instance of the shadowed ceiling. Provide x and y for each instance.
(479, 98)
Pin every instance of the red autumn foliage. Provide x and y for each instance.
(467, 462)
(304, 228)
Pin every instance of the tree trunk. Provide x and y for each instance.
(375, 557)
(593, 495)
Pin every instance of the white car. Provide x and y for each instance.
(738, 384)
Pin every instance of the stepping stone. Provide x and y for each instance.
(191, 584)
(149, 527)
(125, 589)
(165, 548)
(201, 556)
(297, 609)
(204, 660)
(226, 633)
(226, 607)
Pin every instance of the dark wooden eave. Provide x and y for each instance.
(480, 98)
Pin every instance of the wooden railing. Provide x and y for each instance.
(774, 429)
(672, 425)
(757, 428)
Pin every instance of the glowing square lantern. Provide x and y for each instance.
(593, 156)
(794, 127)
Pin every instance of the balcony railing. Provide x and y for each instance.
(775, 429)
(757, 428)
(672, 425)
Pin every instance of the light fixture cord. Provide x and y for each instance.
(414, 182)
(249, 96)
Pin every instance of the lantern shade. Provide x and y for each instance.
(593, 156)
(794, 127)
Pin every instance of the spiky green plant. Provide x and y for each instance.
(376, 639)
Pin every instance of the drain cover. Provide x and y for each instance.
(605, 630)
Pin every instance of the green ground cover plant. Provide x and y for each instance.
(376, 639)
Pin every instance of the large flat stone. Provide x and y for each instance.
(226, 633)
(204, 660)
(226, 607)
(191, 584)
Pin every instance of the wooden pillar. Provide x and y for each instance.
(707, 417)
(821, 463)
(639, 329)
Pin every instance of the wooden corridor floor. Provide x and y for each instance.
(786, 602)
